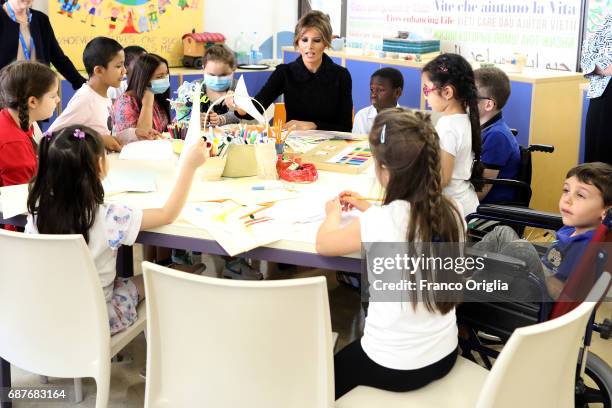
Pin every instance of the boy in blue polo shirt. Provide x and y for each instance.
(500, 151)
(584, 202)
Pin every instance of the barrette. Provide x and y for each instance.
(383, 134)
(79, 134)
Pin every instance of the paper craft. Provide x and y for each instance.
(193, 130)
(147, 150)
(13, 200)
(244, 102)
(227, 224)
(118, 181)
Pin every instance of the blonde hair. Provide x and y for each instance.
(319, 21)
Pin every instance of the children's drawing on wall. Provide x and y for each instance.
(68, 7)
(151, 24)
(141, 16)
(114, 15)
(93, 9)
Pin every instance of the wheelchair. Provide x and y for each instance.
(488, 319)
(521, 186)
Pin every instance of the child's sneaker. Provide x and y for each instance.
(240, 269)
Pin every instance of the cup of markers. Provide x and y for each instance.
(241, 145)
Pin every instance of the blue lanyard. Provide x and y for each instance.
(26, 51)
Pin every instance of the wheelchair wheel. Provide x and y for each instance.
(599, 373)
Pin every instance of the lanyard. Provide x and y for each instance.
(27, 52)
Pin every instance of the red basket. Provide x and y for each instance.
(304, 173)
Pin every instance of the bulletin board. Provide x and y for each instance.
(155, 25)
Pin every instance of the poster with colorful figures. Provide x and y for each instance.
(156, 25)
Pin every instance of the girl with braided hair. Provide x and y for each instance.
(28, 93)
(409, 342)
(449, 88)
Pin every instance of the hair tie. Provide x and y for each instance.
(47, 135)
(79, 134)
(383, 134)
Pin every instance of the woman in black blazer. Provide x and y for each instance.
(317, 92)
(39, 44)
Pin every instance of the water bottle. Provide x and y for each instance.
(254, 51)
(240, 49)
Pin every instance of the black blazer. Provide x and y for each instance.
(324, 97)
(48, 50)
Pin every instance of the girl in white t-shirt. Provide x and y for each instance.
(410, 340)
(66, 197)
(449, 88)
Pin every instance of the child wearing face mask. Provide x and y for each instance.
(143, 111)
(219, 65)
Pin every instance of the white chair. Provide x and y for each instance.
(228, 343)
(53, 318)
(536, 368)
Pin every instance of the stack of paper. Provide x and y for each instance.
(148, 150)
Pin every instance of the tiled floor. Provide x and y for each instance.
(127, 387)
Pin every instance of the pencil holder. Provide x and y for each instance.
(212, 169)
(280, 148)
(265, 154)
(177, 145)
(241, 161)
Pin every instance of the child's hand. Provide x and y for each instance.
(110, 143)
(147, 134)
(229, 102)
(197, 154)
(350, 200)
(214, 119)
(333, 208)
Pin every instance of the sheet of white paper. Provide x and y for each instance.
(243, 100)
(223, 221)
(118, 181)
(13, 200)
(327, 135)
(147, 150)
(193, 131)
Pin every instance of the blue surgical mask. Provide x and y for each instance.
(159, 86)
(218, 83)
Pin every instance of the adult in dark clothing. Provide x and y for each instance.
(27, 35)
(317, 92)
(596, 63)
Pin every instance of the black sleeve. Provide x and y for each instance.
(272, 89)
(60, 61)
(344, 121)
